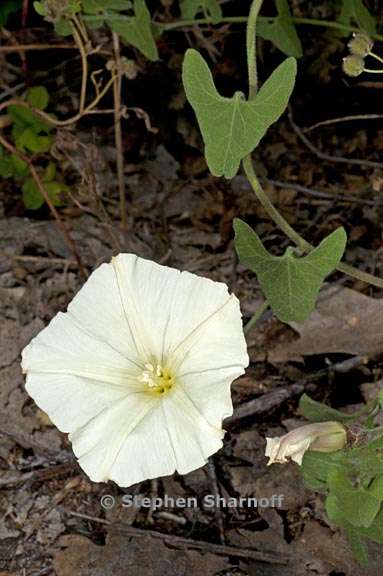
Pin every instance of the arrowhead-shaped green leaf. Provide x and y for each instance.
(232, 127)
(137, 31)
(189, 9)
(289, 283)
(281, 31)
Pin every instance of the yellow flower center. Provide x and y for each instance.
(159, 380)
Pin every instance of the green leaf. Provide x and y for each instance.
(358, 506)
(318, 412)
(290, 284)
(316, 467)
(32, 198)
(232, 127)
(20, 167)
(40, 8)
(32, 142)
(97, 6)
(137, 31)
(190, 8)
(38, 97)
(50, 172)
(355, 11)
(6, 164)
(281, 31)
(375, 531)
(23, 118)
(63, 27)
(357, 546)
(7, 8)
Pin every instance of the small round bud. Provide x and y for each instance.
(353, 65)
(360, 44)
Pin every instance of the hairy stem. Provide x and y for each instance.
(300, 242)
(256, 316)
(117, 131)
(251, 50)
(244, 19)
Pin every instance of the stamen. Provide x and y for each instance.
(158, 380)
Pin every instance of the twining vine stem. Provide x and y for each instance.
(244, 19)
(263, 198)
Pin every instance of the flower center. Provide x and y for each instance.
(158, 379)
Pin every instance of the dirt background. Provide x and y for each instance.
(51, 519)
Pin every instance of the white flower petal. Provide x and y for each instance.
(70, 401)
(178, 304)
(101, 309)
(98, 444)
(92, 368)
(193, 439)
(216, 357)
(146, 453)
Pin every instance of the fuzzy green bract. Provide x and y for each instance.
(232, 127)
(290, 283)
(189, 9)
(281, 31)
(137, 31)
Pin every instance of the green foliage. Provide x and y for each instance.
(281, 31)
(210, 8)
(354, 12)
(289, 283)
(32, 197)
(137, 31)
(352, 478)
(100, 6)
(318, 412)
(31, 135)
(8, 7)
(29, 132)
(232, 127)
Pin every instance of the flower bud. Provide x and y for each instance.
(360, 44)
(322, 437)
(353, 65)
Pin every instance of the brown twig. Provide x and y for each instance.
(49, 119)
(84, 64)
(43, 191)
(343, 119)
(117, 131)
(188, 543)
(321, 193)
(329, 157)
(27, 47)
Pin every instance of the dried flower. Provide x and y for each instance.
(360, 44)
(353, 65)
(138, 370)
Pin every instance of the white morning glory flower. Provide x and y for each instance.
(138, 370)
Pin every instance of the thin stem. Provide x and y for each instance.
(25, 47)
(270, 208)
(48, 118)
(373, 55)
(243, 19)
(373, 71)
(84, 63)
(251, 49)
(255, 317)
(292, 234)
(117, 131)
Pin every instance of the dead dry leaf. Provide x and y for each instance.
(345, 321)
